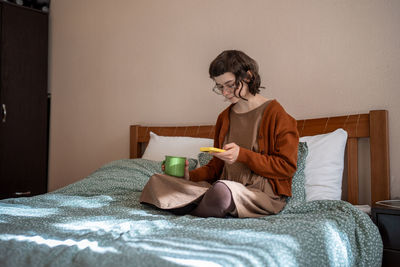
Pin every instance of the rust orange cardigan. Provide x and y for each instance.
(276, 160)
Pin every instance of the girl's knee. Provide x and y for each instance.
(219, 195)
(221, 189)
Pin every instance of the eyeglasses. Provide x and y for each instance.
(219, 89)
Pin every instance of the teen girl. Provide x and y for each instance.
(253, 177)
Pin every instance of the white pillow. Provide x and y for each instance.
(160, 146)
(324, 165)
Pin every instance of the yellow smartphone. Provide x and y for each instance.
(211, 149)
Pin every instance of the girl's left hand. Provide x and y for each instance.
(230, 155)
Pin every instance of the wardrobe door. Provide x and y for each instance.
(23, 88)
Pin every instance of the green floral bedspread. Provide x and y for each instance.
(99, 222)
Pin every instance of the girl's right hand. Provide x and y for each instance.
(186, 176)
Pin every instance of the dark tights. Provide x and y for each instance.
(216, 202)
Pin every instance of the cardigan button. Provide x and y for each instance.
(260, 137)
(262, 152)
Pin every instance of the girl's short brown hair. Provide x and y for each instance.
(239, 64)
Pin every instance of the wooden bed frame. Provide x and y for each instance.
(372, 125)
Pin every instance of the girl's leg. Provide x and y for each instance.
(184, 210)
(217, 202)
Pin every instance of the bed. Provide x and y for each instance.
(99, 221)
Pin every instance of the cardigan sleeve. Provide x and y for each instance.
(211, 171)
(277, 158)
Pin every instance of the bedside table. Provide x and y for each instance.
(388, 221)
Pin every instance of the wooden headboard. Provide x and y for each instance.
(372, 125)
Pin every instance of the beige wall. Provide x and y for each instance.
(116, 63)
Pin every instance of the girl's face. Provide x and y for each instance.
(225, 84)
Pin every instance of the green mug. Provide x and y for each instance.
(174, 166)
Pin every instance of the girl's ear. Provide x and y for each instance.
(249, 76)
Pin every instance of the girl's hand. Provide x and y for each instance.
(186, 176)
(230, 155)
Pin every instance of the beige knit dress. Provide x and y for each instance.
(252, 194)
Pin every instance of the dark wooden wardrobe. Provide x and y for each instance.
(24, 101)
